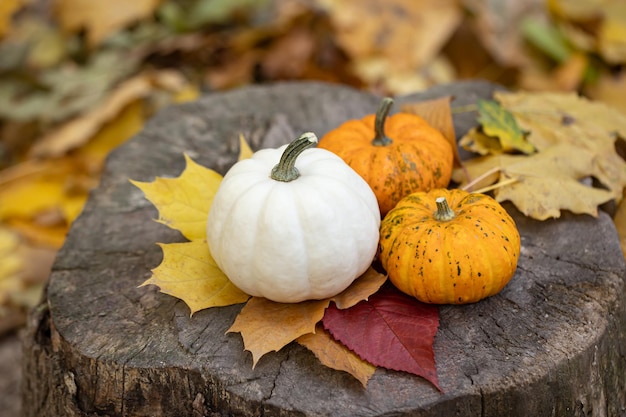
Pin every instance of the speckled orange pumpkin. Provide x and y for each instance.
(449, 246)
(396, 155)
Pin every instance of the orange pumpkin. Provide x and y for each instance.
(396, 155)
(449, 246)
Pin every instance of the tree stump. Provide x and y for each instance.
(552, 343)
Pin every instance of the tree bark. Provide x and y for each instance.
(552, 343)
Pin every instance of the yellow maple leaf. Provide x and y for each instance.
(184, 202)
(268, 326)
(189, 272)
(336, 356)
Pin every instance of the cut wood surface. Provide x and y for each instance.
(552, 343)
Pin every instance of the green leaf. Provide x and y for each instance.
(546, 38)
(498, 122)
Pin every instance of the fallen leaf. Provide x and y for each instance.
(290, 55)
(407, 33)
(50, 236)
(498, 26)
(545, 36)
(576, 10)
(612, 33)
(78, 131)
(475, 140)
(63, 184)
(391, 330)
(361, 289)
(189, 272)
(336, 356)
(184, 202)
(244, 149)
(67, 90)
(41, 190)
(498, 122)
(101, 18)
(267, 326)
(566, 118)
(7, 9)
(125, 125)
(383, 73)
(543, 184)
(438, 114)
(10, 265)
(570, 75)
(609, 89)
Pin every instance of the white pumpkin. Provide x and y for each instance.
(293, 232)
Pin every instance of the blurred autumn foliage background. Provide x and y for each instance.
(79, 77)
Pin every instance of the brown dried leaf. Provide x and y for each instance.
(268, 326)
(409, 33)
(7, 9)
(78, 131)
(543, 184)
(560, 118)
(101, 18)
(438, 114)
(366, 285)
(336, 356)
(498, 26)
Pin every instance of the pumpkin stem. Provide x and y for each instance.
(285, 170)
(379, 123)
(444, 212)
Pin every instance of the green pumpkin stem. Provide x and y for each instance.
(285, 170)
(379, 123)
(444, 213)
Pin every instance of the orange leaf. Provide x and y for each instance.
(268, 326)
(361, 289)
(335, 355)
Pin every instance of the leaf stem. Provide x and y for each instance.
(469, 185)
(379, 123)
(495, 186)
(285, 170)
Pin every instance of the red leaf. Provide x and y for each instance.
(391, 330)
